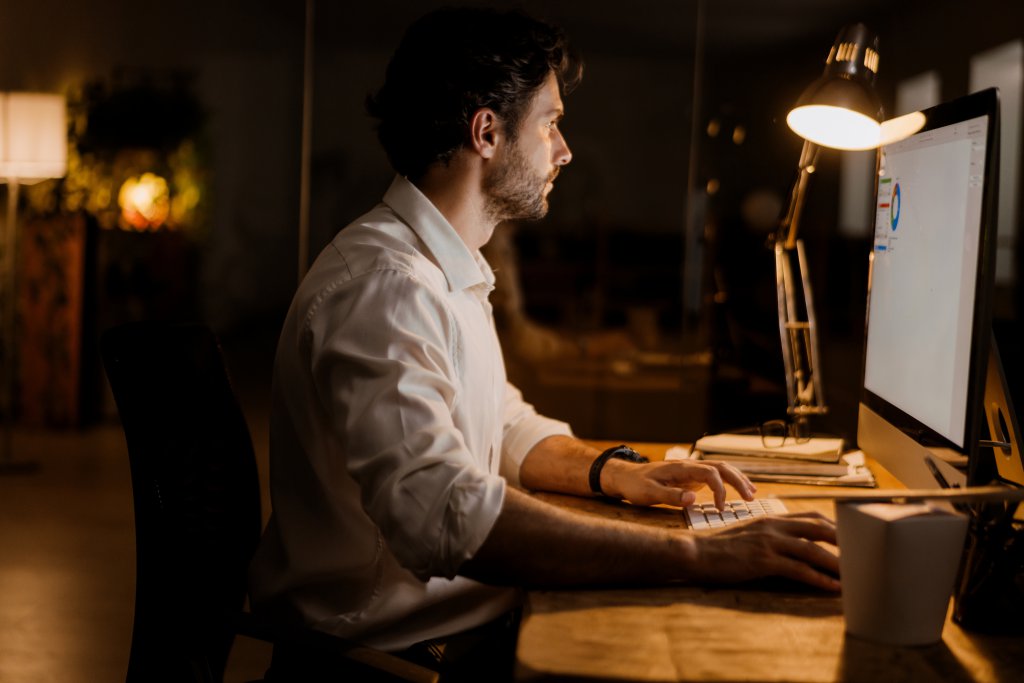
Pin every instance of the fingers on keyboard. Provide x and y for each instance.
(707, 516)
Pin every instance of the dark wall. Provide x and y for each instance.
(629, 124)
(944, 37)
(242, 60)
(755, 89)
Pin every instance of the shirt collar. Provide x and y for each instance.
(462, 268)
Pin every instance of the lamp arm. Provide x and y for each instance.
(790, 224)
(798, 327)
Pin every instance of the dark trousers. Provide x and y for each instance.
(484, 653)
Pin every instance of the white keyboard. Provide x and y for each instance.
(707, 516)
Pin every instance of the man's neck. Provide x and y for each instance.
(455, 190)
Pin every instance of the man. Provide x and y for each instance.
(397, 447)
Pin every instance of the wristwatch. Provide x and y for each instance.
(622, 452)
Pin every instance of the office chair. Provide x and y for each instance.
(197, 515)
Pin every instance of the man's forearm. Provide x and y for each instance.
(537, 544)
(560, 464)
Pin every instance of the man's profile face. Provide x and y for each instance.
(517, 186)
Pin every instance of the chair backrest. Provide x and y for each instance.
(196, 493)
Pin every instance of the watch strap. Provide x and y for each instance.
(621, 452)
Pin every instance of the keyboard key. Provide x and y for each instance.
(706, 516)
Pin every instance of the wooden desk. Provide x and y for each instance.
(766, 632)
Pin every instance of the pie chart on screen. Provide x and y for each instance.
(894, 207)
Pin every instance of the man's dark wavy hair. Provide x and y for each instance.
(453, 62)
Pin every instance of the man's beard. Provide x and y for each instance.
(515, 191)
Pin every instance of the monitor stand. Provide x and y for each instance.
(1003, 428)
(989, 597)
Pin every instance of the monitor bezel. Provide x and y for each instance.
(982, 103)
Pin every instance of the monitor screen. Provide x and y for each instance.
(928, 217)
(929, 320)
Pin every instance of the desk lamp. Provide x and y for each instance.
(840, 110)
(33, 147)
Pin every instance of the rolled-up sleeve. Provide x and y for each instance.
(382, 360)
(523, 429)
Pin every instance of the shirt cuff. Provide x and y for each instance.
(478, 513)
(519, 440)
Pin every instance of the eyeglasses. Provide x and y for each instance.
(775, 432)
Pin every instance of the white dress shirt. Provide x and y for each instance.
(393, 432)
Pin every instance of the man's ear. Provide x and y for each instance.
(485, 132)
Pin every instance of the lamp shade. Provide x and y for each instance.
(33, 136)
(841, 109)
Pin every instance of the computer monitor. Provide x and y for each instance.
(929, 341)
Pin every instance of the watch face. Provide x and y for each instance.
(627, 453)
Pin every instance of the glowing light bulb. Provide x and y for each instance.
(144, 201)
(835, 127)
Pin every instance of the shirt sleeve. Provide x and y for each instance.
(524, 428)
(384, 373)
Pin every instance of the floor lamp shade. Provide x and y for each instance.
(33, 136)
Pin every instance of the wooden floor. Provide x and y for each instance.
(67, 552)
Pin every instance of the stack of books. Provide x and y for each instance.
(819, 461)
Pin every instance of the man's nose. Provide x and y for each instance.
(562, 153)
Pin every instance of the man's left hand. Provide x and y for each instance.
(672, 482)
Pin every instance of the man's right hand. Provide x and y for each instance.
(783, 546)
(534, 543)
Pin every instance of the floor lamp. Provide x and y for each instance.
(33, 147)
(840, 110)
